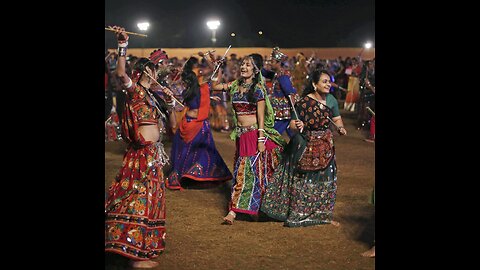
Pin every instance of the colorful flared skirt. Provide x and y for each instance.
(252, 173)
(300, 198)
(198, 160)
(135, 206)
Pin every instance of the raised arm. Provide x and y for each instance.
(122, 39)
(216, 85)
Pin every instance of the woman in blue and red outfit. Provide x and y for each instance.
(281, 91)
(258, 144)
(194, 155)
(135, 205)
(303, 188)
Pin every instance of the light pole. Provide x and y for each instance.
(143, 26)
(260, 33)
(213, 25)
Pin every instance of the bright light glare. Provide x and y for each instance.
(143, 26)
(213, 24)
(368, 45)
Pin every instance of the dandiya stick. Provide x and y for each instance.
(370, 110)
(161, 86)
(130, 33)
(293, 108)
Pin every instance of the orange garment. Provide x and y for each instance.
(188, 130)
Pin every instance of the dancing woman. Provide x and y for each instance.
(194, 155)
(303, 188)
(135, 205)
(258, 144)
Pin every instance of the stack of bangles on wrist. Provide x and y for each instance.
(261, 138)
(122, 48)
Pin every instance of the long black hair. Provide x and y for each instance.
(192, 88)
(258, 65)
(313, 79)
(138, 69)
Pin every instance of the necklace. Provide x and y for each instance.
(321, 102)
(246, 85)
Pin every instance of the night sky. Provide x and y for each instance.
(285, 23)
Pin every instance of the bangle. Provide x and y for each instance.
(340, 127)
(122, 50)
(261, 129)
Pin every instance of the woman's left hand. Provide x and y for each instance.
(261, 147)
(342, 131)
(168, 93)
(216, 98)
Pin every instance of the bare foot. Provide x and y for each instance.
(335, 223)
(229, 218)
(143, 264)
(369, 253)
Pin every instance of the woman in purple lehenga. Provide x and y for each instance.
(194, 155)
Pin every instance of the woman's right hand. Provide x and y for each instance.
(122, 37)
(299, 124)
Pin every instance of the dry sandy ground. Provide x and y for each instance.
(196, 239)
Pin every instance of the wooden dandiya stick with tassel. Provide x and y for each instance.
(130, 33)
(162, 87)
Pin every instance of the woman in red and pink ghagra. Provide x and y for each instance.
(258, 144)
(135, 206)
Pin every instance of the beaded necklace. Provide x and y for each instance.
(245, 86)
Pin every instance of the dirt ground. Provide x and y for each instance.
(196, 238)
